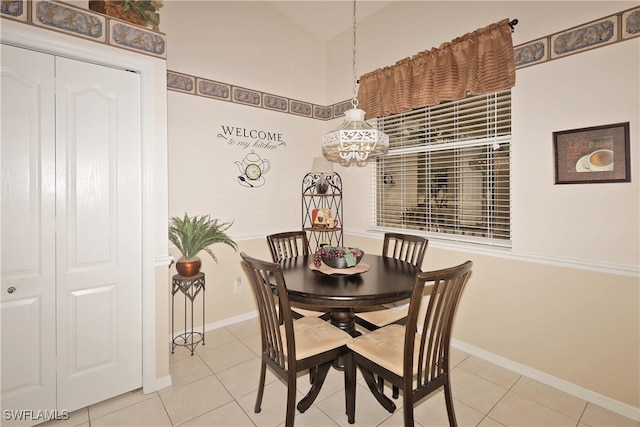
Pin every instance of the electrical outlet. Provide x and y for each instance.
(237, 285)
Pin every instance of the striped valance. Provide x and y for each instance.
(476, 63)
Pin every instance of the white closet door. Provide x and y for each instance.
(27, 294)
(98, 210)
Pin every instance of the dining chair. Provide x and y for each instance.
(405, 247)
(291, 244)
(290, 346)
(288, 244)
(415, 357)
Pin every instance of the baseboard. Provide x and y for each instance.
(156, 385)
(570, 388)
(230, 321)
(220, 323)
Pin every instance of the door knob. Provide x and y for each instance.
(11, 289)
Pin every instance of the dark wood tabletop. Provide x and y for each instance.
(388, 280)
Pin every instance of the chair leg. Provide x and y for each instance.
(263, 372)
(408, 415)
(407, 409)
(448, 398)
(291, 399)
(350, 387)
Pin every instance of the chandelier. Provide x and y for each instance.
(355, 140)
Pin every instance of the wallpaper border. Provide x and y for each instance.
(615, 28)
(100, 28)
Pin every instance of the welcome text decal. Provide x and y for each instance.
(254, 138)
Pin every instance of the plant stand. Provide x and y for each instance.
(190, 287)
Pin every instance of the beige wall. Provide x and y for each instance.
(563, 301)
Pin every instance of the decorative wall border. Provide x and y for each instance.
(615, 28)
(195, 85)
(61, 17)
(78, 22)
(601, 32)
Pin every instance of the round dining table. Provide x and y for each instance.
(387, 280)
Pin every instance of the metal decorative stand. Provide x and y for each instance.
(322, 191)
(190, 287)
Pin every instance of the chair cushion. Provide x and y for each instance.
(307, 310)
(384, 346)
(315, 336)
(304, 312)
(390, 313)
(384, 316)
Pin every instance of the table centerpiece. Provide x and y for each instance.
(337, 256)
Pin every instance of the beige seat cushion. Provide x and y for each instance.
(384, 316)
(302, 309)
(390, 313)
(314, 336)
(384, 346)
(311, 313)
(307, 310)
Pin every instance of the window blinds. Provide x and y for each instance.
(447, 170)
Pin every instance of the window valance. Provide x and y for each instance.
(479, 62)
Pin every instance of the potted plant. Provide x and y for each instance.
(139, 12)
(194, 234)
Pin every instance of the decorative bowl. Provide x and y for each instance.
(340, 261)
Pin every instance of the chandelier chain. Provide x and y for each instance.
(354, 100)
(355, 140)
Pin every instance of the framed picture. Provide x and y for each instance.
(591, 155)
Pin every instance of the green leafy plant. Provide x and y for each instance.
(194, 234)
(147, 10)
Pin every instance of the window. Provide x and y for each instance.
(447, 171)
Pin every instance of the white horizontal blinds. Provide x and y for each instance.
(448, 170)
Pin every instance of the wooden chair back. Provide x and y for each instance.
(432, 332)
(405, 247)
(288, 244)
(263, 276)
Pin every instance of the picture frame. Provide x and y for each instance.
(595, 154)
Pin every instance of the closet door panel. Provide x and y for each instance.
(27, 298)
(98, 233)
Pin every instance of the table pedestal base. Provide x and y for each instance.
(345, 319)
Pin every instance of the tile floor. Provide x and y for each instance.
(217, 387)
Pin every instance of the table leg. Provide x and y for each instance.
(344, 318)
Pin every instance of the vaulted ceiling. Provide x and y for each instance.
(326, 19)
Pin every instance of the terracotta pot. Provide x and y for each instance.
(115, 9)
(188, 266)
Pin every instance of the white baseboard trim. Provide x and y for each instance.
(158, 384)
(573, 389)
(231, 320)
(220, 323)
(613, 405)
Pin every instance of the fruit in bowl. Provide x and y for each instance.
(337, 256)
